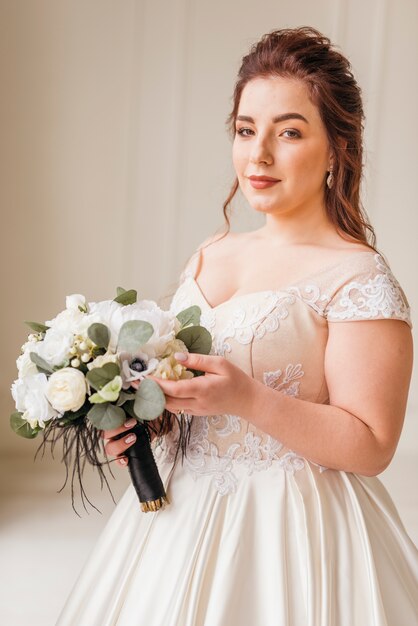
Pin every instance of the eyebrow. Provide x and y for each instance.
(279, 118)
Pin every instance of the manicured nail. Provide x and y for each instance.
(180, 356)
(123, 461)
(130, 438)
(130, 423)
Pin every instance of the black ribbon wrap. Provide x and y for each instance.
(144, 471)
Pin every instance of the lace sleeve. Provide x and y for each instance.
(369, 292)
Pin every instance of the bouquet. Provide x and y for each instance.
(75, 376)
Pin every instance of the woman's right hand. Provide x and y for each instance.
(117, 447)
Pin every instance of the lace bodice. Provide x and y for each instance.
(279, 337)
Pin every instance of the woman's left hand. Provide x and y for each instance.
(225, 388)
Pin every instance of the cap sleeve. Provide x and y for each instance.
(368, 290)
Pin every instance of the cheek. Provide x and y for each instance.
(310, 164)
(239, 159)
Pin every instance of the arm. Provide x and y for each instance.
(368, 368)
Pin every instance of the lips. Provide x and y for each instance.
(262, 182)
(266, 178)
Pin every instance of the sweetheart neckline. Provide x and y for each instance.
(279, 290)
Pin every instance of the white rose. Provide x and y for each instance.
(29, 395)
(74, 301)
(66, 389)
(56, 346)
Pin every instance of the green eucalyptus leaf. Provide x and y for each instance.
(22, 427)
(128, 407)
(37, 327)
(106, 416)
(43, 366)
(197, 339)
(126, 297)
(149, 400)
(134, 334)
(99, 334)
(124, 397)
(191, 315)
(98, 377)
(120, 291)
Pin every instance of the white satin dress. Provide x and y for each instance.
(256, 535)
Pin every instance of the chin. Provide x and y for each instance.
(263, 208)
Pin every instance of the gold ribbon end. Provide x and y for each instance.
(154, 505)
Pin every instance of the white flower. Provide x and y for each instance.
(66, 389)
(75, 301)
(176, 345)
(128, 374)
(102, 359)
(70, 321)
(171, 369)
(105, 313)
(29, 395)
(114, 315)
(25, 365)
(55, 347)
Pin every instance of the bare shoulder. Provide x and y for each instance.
(219, 242)
(220, 247)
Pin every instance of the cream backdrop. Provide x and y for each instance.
(114, 156)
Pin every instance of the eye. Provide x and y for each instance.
(291, 133)
(241, 131)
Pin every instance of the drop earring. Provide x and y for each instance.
(330, 178)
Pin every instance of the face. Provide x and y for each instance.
(293, 149)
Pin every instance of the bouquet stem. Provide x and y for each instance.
(144, 471)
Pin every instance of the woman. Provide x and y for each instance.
(277, 515)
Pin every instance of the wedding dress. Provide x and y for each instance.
(255, 534)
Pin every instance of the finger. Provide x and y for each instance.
(174, 389)
(108, 434)
(175, 405)
(117, 447)
(122, 461)
(204, 362)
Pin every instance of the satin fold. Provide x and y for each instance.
(295, 549)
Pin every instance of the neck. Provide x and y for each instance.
(298, 227)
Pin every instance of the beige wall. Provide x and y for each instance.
(114, 155)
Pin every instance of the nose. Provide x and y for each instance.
(260, 152)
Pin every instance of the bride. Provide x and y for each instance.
(277, 515)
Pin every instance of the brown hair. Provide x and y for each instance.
(305, 54)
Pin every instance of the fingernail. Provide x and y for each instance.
(130, 438)
(123, 461)
(130, 423)
(180, 356)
